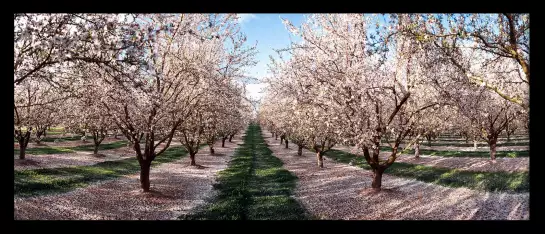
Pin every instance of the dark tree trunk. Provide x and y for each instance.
(286, 143)
(96, 148)
(97, 139)
(281, 139)
(223, 142)
(192, 157)
(507, 131)
(275, 137)
(231, 137)
(144, 175)
(22, 151)
(211, 149)
(377, 178)
(320, 157)
(299, 150)
(417, 150)
(23, 143)
(39, 135)
(493, 149)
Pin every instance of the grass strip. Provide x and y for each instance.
(59, 180)
(515, 182)
(62, 150)
(253, 187)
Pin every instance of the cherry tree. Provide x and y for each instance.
(488, 114)
(380, 92)
(437, 121)
(45, 45)
(35, 108)
(151, 99)
(503, 37)
(148, 100)
(43, 42)
(86, 114)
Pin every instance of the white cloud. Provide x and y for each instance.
(245, 18)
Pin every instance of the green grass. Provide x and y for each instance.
(253, 187)
(425, 143)
(517, 182)
(108, 146)
(58, 180)
(53, 133)
(61, 150)
(46, 150)
(473, 154)
(62, 139)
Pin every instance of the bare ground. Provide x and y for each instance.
(79, 158)
(340, 191)
(176, 189)
(462, 163)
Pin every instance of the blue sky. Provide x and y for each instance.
(270, 33)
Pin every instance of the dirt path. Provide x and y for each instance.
(462, 163)
(340, 191)
(177, 188)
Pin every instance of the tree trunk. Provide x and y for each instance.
(507, 131)
(281, 140)
(223, 142)
(474, 144)
(377, 178)
(192, 157)
(96, 148)
(231, 137)
(144, 175)
(39, 134)
(22, 150)
(493, 150)
(275, 137)
(508, 137)
(299, 150)
(320, 158)
(272, 135)
(417, 150)
(23, 143)
(211, 149)
(286, 143)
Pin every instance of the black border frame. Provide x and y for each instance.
(536, 175)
